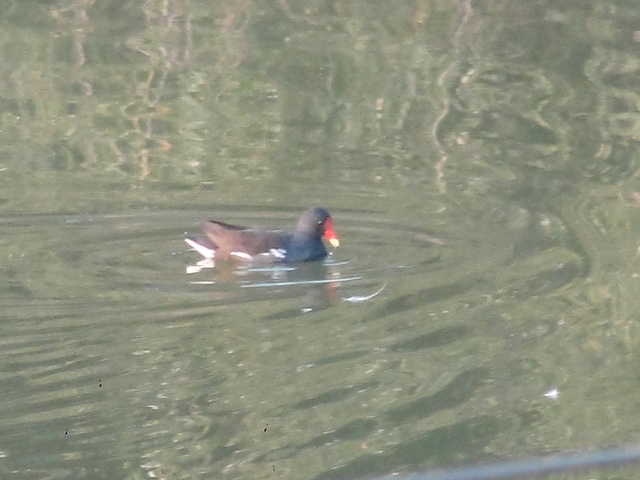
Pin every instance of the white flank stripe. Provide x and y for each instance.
(278, 252)
(244, 256)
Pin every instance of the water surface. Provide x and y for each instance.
(479, 163)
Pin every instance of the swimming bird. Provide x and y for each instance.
(235, 242)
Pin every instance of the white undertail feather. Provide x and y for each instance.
(206, 252)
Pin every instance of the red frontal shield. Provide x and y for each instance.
(330, 233)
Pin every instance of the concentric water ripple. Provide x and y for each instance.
(108, 341)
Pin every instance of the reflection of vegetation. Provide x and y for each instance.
(525, 113)
(176, 89)
(189, 90)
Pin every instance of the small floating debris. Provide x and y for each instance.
(363, 298)
(553, 394)
(422, 237)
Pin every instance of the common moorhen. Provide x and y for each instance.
(235, 242)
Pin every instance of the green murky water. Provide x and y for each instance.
(479, 160)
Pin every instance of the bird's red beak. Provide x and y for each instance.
(330, 233)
